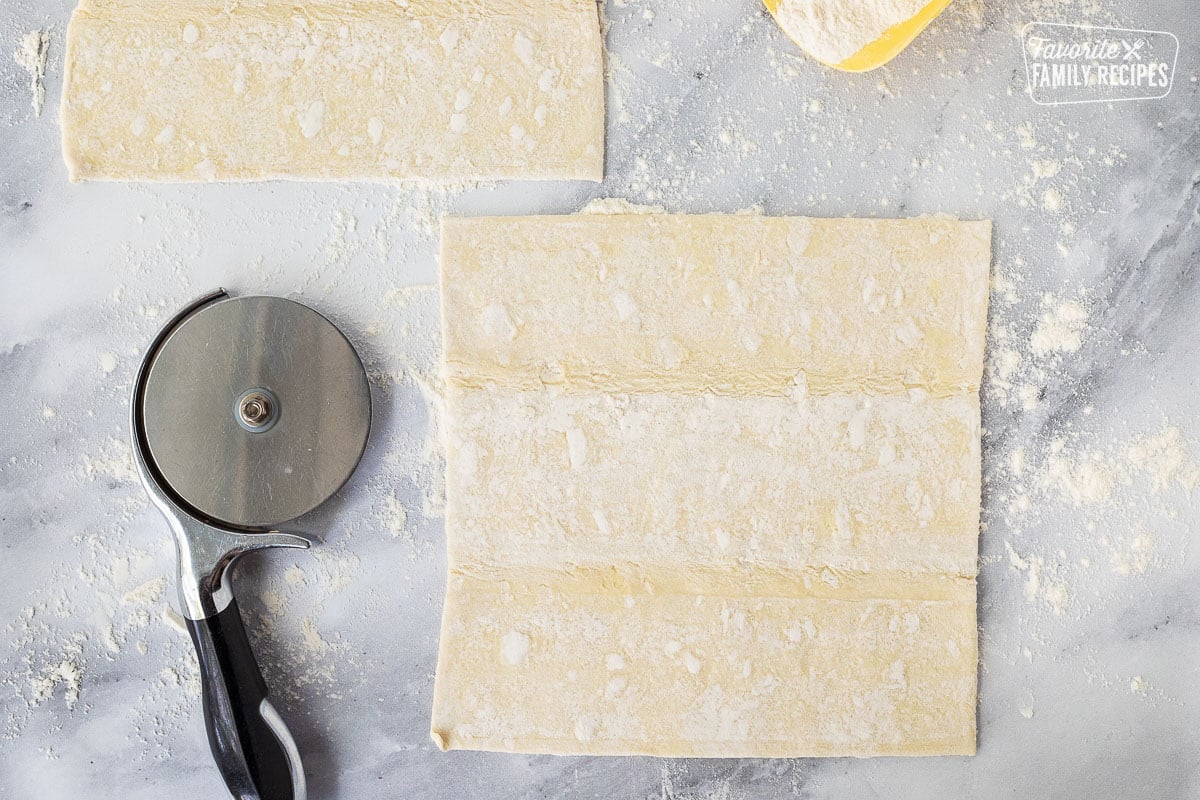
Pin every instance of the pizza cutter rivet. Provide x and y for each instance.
(257, 410)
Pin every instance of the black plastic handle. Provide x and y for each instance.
(250, 754)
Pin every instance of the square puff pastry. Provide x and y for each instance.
(713, 485)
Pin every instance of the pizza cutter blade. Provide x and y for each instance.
(247, 412)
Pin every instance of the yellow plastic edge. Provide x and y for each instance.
(893, 40)
(890, 43)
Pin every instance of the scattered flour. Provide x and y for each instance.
(148, 592)
(1106, 502)
(1077, 478)
(1060, 327)
(294, 575)
(31, 55)
(113, 464)
(337, 568)
(67, 674)
(1135, 556)
(618, 205)
(1165, 458)
(314, 642)
(1052, 200)
(174, 620)
(396, 515)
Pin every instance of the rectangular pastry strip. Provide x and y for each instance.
(436, 90)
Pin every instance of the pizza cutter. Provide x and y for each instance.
(247, 413)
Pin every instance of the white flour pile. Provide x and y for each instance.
(833, 30)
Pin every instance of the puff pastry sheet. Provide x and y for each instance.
(438, 90)
(712, 485)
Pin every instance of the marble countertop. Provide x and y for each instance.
(1090, 576)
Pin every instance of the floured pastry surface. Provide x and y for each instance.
(738, 304)
(533, 664)
(712, 485)
(833, 482)
(206, 90)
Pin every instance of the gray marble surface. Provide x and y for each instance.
(1090, 576)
